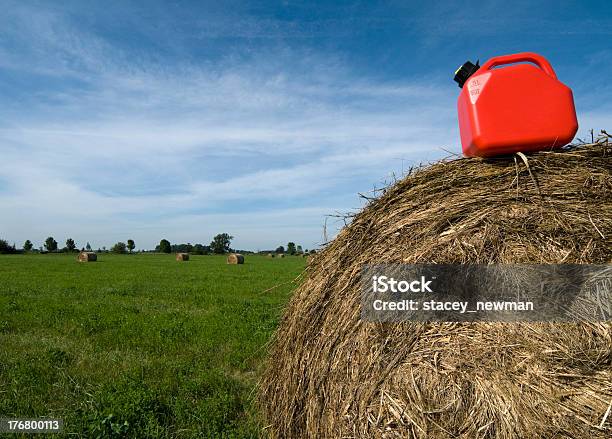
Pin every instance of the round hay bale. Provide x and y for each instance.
(332, 375)
(182, 256)
(235, 258)
(87, 257)
(270, 255)
(281, 255)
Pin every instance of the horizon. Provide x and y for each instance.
(258, 120)
(207, 248)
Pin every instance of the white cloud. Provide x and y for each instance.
(121, 147)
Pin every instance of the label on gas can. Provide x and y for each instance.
(476, 84)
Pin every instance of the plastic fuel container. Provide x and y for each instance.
(513, 103)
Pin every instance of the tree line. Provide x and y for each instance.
(50, 245)
(292, 249)
(220, 244)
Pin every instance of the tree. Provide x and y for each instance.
(200, 249)
(280, 249)
(182, 248)
(221, 243)
(50, 244)
(5, 247)
(164, 246)
(299, 250)
(88, 247)
(27, 246)
(70, 245)
(131, 245)
(291, 248)
(119, 247)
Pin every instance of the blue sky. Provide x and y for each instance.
(179, 120)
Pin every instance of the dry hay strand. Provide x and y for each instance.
(235, 258)
(182, 256)
(87, 257)
(331, 375)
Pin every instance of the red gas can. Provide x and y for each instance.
(517, 107)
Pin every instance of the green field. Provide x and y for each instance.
(138, 345)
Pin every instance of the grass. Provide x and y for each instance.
(138, 345)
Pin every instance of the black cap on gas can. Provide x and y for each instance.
(464, 72)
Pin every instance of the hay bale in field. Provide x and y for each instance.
(87, 257)
(235, 258)
(280, 255)
(182, 256)
(270, 255)
(332, 375)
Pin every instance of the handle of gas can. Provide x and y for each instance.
(538, 60)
